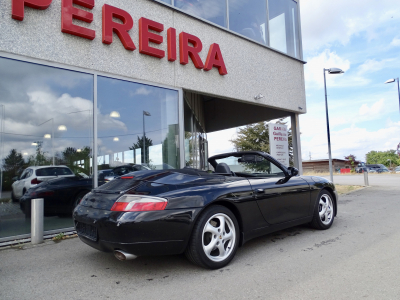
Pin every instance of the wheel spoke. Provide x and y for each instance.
(327, 215)
(221, 224)
(210, 247)
(228, 236)
(221, 249)
(323, 211)
(210, 228)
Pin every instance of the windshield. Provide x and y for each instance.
(254, 165)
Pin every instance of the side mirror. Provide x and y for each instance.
(15, 178)
(293, 171)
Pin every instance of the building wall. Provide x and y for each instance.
(252, 68)
(323, 165)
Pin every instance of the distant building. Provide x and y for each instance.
(322, 165)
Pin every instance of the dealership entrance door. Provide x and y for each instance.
(205, 114)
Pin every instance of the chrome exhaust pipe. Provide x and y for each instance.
(121, 255)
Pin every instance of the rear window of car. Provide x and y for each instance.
(118, 185)
(53, 172)
(63, 171)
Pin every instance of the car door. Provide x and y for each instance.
(19, 185)
(281, 199)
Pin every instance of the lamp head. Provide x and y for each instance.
(390, 80)
(115, 114)
(335, 71)
(146, 113)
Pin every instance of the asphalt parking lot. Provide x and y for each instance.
(358, 258)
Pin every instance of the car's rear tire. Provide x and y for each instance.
(324, 212)
(215, 238)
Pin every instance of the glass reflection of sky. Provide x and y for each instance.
(211, 10)
(249, 18)
(34, 95)
(130, 99)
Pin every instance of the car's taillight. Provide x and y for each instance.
(45, 194)
(139, 203)
(35, 181)
(41, 194)
(127, 177)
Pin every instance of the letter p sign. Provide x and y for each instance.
(19, 5)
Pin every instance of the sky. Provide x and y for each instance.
(361, 37)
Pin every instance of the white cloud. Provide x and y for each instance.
(352, 140)
(218, 142)
(141, 91)
(373, 110)
(395, 42)
(326, 59)
(372, 65)
(327, 22)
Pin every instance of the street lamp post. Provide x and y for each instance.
(398, 88)
(330, 71)
(145, 113)
(52, 136)
(390, 163)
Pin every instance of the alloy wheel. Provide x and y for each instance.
(218, 237)
(325, 209)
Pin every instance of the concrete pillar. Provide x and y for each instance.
(296, 143)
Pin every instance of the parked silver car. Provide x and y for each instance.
(34, 175)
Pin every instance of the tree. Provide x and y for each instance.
(256, 137)
(13, 162)
(13, 165)
(351, 160)
(70, 157)
(139, 145)
(383, 157)
(39, 159)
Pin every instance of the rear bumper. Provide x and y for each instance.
(139, 233)
(139, 249)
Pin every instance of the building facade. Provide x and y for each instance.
(322, 165)
(95, 84)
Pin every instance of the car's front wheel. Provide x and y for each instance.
(215, 238)
(324, 212)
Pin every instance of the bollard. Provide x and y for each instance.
(366, 183)
(37, 221)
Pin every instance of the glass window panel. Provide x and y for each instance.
(195, 142)
(211, 10)
(133, 117)
(166, 1)
(128, 157)
(138, 156)
(283, 26)
(45, 119)
(249, 18)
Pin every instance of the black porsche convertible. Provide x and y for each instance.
(206, 215)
